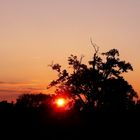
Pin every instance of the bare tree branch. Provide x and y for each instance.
(96, 48)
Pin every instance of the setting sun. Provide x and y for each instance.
(60, 102)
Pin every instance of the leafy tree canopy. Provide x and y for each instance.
(99, 85)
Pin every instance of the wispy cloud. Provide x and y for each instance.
(1, 82)
(7, 89)
(16, 83)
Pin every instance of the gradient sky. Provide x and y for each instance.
(33, 33)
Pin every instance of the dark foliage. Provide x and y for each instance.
(101, 83)
(26, 120)
(102, 104)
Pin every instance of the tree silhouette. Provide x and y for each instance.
(34, 101)
(99, 85)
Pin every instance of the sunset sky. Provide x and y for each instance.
(33, 33)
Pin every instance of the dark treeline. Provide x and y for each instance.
(35, 116)
(101, 103)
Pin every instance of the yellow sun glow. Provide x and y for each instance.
(60, 102)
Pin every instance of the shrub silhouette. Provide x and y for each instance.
(33, 100)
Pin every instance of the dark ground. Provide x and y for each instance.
(35, 124)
